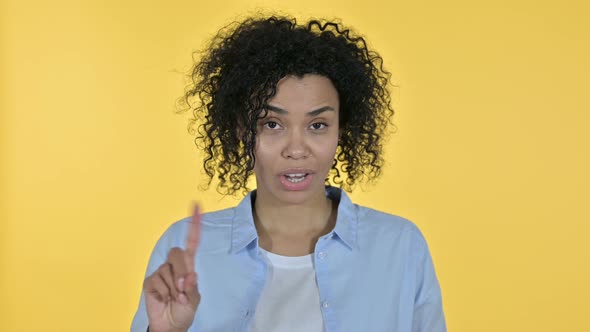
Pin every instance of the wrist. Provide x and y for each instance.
(149, 329)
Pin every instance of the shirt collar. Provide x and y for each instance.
(347, 220)
(244, 232)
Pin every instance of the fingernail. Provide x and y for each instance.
(181, 284)
(182, 299)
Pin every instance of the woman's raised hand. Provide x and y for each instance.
(171, 292)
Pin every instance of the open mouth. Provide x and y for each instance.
(294, 178)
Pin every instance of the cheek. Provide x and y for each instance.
(328, 151)
(263, 153)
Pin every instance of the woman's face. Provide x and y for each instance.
(297, 140)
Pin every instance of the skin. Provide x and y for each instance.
(300, 131)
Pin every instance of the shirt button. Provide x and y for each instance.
(321, 255)
(325, 305)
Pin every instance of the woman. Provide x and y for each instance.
(293, 105)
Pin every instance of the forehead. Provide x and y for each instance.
(301, 94)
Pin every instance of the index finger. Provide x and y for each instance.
(193, 238)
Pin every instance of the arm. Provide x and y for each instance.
(428, 309)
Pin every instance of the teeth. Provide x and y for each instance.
(296, 175)
(295, 180)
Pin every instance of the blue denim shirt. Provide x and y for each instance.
(373, 270)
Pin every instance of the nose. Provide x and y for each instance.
(295, 146)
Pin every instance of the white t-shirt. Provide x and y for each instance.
(290, 300)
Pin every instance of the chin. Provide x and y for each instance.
(298, 196)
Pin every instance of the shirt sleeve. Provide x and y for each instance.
(428, 310)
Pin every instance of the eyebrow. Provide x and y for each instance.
(311, 113)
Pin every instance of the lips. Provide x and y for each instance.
(296, 179)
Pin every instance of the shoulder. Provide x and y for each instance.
(215, 225)
(383, 221)
(380, 224)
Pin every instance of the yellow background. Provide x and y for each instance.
(490, 160)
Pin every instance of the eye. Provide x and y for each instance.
(271, 125)
(319, 125)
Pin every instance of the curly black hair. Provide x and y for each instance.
(237, 73)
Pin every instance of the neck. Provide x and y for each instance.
(317, 215)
